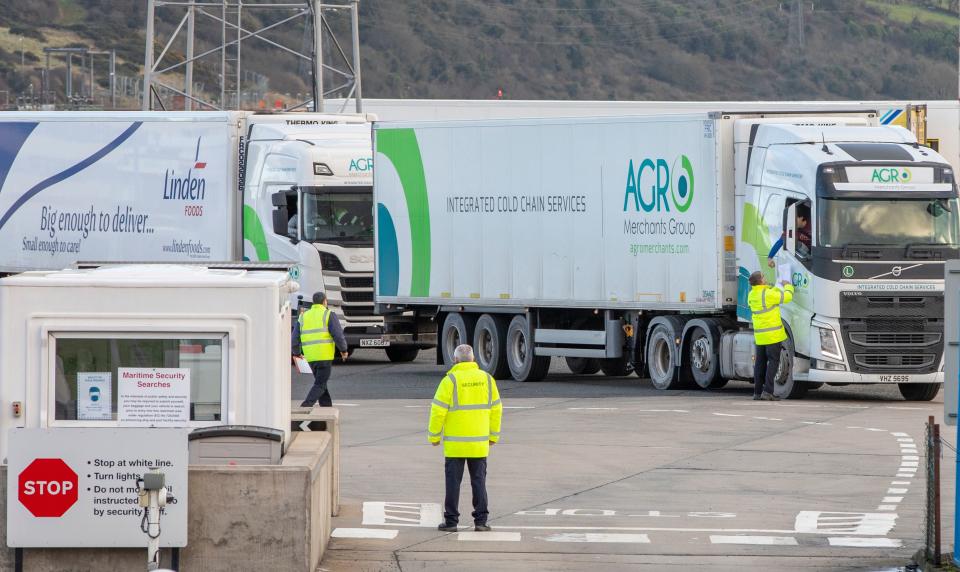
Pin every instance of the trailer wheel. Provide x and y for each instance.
(523, 364)
(919, 391)
(490, 345)
(457, 329)
(703, 360)
(583, 366)
(661, 357)
(616, 367)
(784, 384)
(402, 354)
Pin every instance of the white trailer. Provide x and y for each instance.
(202, 187)
(625, 244)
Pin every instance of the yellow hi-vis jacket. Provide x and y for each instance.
(315, 338)
(466, 412)
(765, 302)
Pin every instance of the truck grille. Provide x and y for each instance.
(356, 289)
(892, 333)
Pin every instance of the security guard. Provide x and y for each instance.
(466, 414)
(768, 332)
(315, 334)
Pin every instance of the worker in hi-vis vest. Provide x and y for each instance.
(768, 332)
(465, 414)
(317, 335)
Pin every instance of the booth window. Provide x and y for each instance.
(159, 373)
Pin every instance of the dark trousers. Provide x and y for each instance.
(319, 392)
(765, 368)
(478, 482)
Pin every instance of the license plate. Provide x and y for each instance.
(894, 379)
(373, 343)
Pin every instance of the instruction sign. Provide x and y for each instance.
(94, 396)
(155, 397)
(70, 487)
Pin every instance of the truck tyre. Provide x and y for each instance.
(784, 384)
(490, 345)
(457, 329)
(616, 367)
(402, 354)
(661, 357)
(919, 391)
(523, 364)
(703, 360)
(583, 366)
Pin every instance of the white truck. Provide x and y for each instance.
(203, 187)
(626, 244)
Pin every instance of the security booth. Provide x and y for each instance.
(147, 346)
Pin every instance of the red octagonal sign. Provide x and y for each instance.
(47, 487)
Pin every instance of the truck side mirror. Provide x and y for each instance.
(281, 218)
(790, 228)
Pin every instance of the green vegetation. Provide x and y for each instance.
(569, 49)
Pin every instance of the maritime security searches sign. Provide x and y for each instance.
(77, 487)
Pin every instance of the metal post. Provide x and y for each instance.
(936, 492)
(113, 79)
(69, 77)
(956, 507)
(223, 57)
(188, 76)
(317, 56)
(148, 58)
(237, 63)
(355, 17)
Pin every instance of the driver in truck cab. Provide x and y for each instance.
(768, 332)
(803, 236)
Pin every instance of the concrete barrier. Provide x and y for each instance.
(245, 517)
(328, 418)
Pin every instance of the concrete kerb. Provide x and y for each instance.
(244, 517)
(330, 417)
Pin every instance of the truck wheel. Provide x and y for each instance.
(402, 354)
(457, 329)
(523, 364)
(661, 357)
(919, 391)
(583, 366)
(784, 385)
(490, 345)
(703, 360)
(616, 367)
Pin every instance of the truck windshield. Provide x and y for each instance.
(338, 215)
(900, 222)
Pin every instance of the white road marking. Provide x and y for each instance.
(865, 523)
(814, 423)
(868, 429)
(892, 499)
(896, 491)
(887, 507)
(911, 458)
(489, 536)
(661, 410)
(769, 418)
(338, 404)
(909, 464)
(760, 540)
(866, 542)
(402, 514)
(900, 434)
(592, 408)
(899, 482)
(381, 533)
(597, 537)
(727, 414)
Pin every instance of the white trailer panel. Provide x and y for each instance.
(120, 186)
(618, 212)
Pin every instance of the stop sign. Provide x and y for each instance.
(47, 487)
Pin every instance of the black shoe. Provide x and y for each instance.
(306, 404)
(447, 527)
(482, 528)
(769, 397)
(756, 397)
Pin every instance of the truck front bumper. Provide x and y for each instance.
(825, 376)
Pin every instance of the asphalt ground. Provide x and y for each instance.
(597, 473)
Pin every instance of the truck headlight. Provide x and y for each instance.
(829, 346)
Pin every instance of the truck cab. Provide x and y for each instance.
(866, 218)
(309, 198)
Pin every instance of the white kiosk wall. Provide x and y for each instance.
(70, 341)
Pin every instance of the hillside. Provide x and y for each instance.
(559, 49)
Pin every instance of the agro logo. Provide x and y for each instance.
(677, 180)
(799, 280)
(891, 175)
(189, 187)
(361, 165)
